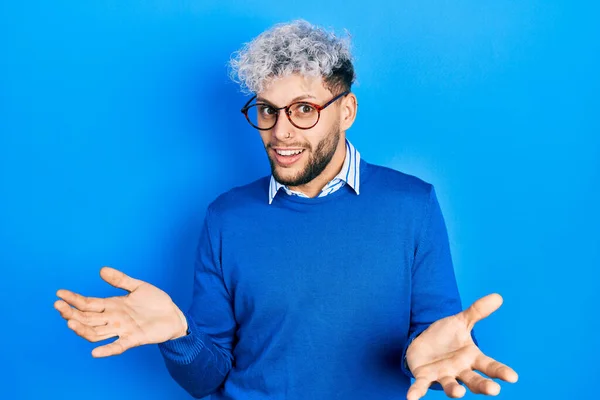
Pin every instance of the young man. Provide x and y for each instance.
(331, 278)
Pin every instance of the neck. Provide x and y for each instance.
(314, 187)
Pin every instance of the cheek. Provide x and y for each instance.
(322, 137)
(265, 137)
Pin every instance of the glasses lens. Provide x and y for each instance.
(304, 115)
(262, 115)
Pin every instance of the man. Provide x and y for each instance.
(331, 278)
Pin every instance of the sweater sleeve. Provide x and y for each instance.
(200, 361)
(434, 290)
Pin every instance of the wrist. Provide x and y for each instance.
(182, 325)
(409, 350)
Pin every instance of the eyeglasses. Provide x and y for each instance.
(301, 114)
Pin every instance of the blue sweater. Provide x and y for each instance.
(314, 298)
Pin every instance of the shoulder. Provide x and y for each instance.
(400, 185)
(239, 198)
(404, 197)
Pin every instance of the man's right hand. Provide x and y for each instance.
(146, 315)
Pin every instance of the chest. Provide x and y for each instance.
(318, 270)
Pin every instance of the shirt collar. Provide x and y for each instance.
(350, 174)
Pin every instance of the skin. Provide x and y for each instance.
(443, 353)
(146, 315)
(325, 140)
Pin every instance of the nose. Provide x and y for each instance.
(283, 129)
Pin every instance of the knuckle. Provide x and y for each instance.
(88, 336)
(64, 312)
(94, 339)
(496, 367)
(74, 299)
(71, 324)
(473, 387)
(479, 385)
(79, 331)
(478, 380)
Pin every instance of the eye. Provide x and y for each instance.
(305, 108)
(266, 110)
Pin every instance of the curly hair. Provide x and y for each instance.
(297, 47)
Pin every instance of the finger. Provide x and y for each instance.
(478, 384)
(119, 280)
(115, 348)
(89, 333)
(451, 387)
(65, 310)
(482, 308)
(110, 330)
(495, 369)
(418, 388)
(82, 303)
(85, 317)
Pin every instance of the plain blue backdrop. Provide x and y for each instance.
(118, 124)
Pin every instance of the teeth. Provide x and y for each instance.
(288, 152)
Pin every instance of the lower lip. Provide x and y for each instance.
(287, 160)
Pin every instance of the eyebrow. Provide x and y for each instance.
(297, 98)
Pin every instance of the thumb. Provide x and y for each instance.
(119, 280)
(482, 308)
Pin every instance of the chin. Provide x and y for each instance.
(284, 175)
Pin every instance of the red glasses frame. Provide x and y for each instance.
(317, 107)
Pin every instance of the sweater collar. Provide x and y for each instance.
(349, 174)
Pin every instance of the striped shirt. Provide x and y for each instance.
(349, 174)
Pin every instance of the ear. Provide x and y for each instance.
(349, 108)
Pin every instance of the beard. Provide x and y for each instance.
(317, 161)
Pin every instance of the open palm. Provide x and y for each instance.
(145, 315)
(445, 352)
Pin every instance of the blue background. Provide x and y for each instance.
(119, 124)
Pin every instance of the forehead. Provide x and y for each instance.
(281, 90)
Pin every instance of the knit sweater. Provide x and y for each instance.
(314, 298)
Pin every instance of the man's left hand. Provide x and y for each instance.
(445, 352)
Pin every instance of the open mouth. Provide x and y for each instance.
(288, 157)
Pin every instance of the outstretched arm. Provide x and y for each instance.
(442, 346)
(434, 292)
(201, 360)
(196, 345)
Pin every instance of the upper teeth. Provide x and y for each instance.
(289, 152)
